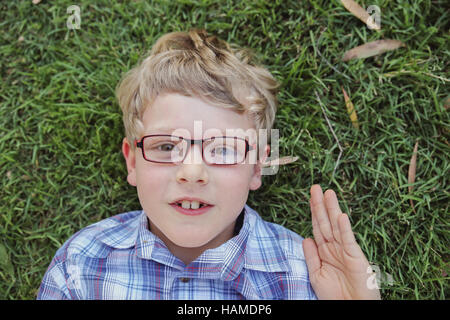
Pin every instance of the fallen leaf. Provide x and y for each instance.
(444, 271)
(360, 13)
(412, 171)
(280, 161)
(36, 1)
(447, 103)
(351, 110)
(372, 49)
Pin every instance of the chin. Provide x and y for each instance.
(192, 239)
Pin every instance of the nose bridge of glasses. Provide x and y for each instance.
(189, 147)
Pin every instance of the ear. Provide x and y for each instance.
(130, 158)
(255, 181)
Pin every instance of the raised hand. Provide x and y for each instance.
(338, 269)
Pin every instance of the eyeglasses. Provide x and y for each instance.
(163, 148)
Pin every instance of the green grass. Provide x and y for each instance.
(61, 165)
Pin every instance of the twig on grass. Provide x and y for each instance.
(323, 58)
(395, 73)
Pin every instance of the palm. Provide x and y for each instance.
(337, 266)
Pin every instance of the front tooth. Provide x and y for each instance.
(186, 204)
(195, 205)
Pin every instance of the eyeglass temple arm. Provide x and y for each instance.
(137, 143)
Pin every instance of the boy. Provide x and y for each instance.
(186, 109)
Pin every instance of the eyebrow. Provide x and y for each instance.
(170, 130)
(162, 129)
(159, 130)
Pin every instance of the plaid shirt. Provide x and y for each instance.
(119, 258)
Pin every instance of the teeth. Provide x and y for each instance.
(186, 204)
(195, 205)
(190, 205)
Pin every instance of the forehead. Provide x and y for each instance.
(174, 112)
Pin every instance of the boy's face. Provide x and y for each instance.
(225, 187)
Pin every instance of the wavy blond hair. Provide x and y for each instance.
(196, 64)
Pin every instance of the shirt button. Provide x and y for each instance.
(185, 280)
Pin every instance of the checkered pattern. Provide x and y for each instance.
(119, 258)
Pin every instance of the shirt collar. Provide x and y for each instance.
(117, 233)
(256, 247)
(224, 262)
(264, 251)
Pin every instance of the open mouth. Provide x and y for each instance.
(193, 205)
(191, 208)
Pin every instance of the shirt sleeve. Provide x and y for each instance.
(54, 283)
(311, 293)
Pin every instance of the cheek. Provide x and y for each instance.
(234, 184)
(150, 182)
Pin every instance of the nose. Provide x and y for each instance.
(191, 171)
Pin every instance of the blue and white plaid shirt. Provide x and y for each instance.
(119, 258)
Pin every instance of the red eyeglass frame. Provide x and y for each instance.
(140, 144)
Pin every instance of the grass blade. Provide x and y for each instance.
(350, 109)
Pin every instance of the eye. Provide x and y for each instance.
(163, 147)
(223, 151)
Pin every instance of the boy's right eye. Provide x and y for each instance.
(162, 147)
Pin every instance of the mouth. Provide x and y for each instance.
(191, 207)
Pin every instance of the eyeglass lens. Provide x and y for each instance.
(216, 150)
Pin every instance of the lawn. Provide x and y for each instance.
(62, 169)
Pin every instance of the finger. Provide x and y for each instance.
(320, 212)
(349, 243)
(311, 256)
(333, 209)
(318, 237)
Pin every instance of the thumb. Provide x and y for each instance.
(311, 255)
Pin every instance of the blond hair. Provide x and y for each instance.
(195, 64)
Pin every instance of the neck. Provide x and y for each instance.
(187, 255)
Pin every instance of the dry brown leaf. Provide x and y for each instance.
(447, 103)
(372, 49)
(412, 170)
(351, 110)
(360, 13)
(412, 167)
(280, 161)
